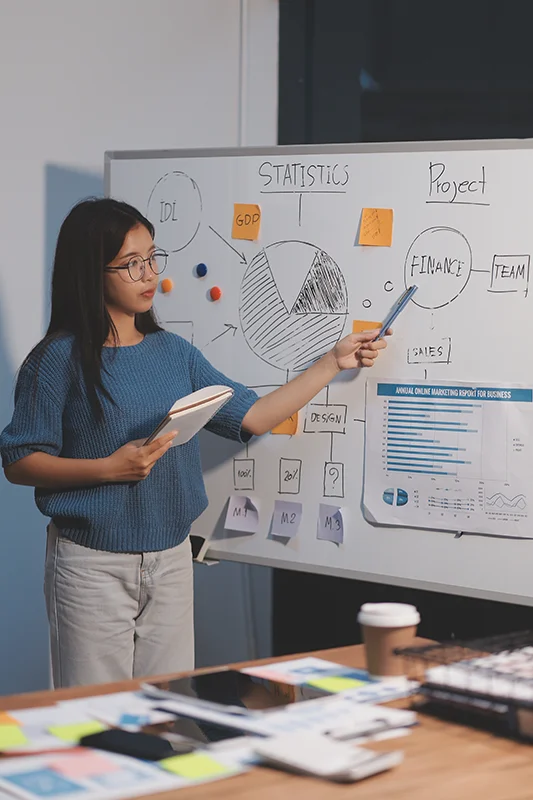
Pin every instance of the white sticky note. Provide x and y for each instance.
(286, 518)
(243, 514)
(330, 525)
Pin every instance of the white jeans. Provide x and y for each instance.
(115, 616)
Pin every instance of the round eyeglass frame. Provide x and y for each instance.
(140, 263)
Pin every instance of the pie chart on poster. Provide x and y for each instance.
(293, 304)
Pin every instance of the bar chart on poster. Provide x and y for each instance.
(418, 471)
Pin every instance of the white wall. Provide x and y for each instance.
(77, 79)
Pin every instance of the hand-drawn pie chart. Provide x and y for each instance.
(293, 304)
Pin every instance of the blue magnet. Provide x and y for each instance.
(201, 270)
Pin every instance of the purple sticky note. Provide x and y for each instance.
(243, 514)
(286, 518)
(330, 525)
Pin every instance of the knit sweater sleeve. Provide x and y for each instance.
(228, 421)
(36, 424)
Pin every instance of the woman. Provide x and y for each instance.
(118, 574)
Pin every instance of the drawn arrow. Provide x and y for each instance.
(241, 255)
(229, 327)
(432, 326)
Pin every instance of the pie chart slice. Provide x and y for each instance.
(324, 291)
(292, 339)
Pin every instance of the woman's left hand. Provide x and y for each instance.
(358, 350)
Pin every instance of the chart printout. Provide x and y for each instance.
(449, 456)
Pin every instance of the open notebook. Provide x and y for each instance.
(191, 413)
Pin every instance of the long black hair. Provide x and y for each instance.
(90, 238)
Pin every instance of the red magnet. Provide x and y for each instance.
(167, 285)
(215, 293)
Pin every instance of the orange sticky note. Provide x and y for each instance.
(289, 427)
(7, 719)
(376, 227)
(246, 221)
(362, 325)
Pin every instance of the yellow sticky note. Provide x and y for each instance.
(288, 427)
(75, 731)
(246, 221)
(195, 766)
(336, 684)
(376, 227)
(7, 719)
(362, 325)
(11, 736)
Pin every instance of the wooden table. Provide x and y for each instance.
(441, 760)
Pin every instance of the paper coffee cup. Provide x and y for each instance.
(387, 626)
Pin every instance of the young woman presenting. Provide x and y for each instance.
(118, 574)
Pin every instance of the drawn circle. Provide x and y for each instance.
(175, 209)
(293, 304)
(439, 262)
(389, 286)
(366, 303)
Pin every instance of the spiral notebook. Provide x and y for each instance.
(190, 414)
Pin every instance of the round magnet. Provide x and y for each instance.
(215, 293)
(167, 285)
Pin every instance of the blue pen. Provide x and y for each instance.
(397, 308)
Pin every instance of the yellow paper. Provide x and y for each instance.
(362, 325)
(7, 719)
(288, 427)
(376, 227)
(75, 731)
(246, 221)
(336, 684)
(11, 736)
(195, 766)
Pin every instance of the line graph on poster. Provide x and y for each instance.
(500, 500)
(292, 317)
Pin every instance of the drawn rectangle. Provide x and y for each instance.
(510, 273)
(244, 474)
(321, 418)
(185, 329)
(333, 479)
(290, 475)
(438, 351)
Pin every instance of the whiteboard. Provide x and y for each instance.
(477, 194)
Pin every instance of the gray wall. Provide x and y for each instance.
(76, 80)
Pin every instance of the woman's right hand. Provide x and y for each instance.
(134, 461)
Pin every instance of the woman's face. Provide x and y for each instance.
(131, 291)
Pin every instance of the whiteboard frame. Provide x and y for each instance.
(471, 145)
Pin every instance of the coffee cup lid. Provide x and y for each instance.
(388, 615)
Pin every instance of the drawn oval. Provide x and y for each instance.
(175, 209)
(439, 262)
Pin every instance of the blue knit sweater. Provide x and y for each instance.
(52, 415)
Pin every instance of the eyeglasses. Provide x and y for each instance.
(137, 266)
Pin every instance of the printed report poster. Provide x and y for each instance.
(449, 456)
